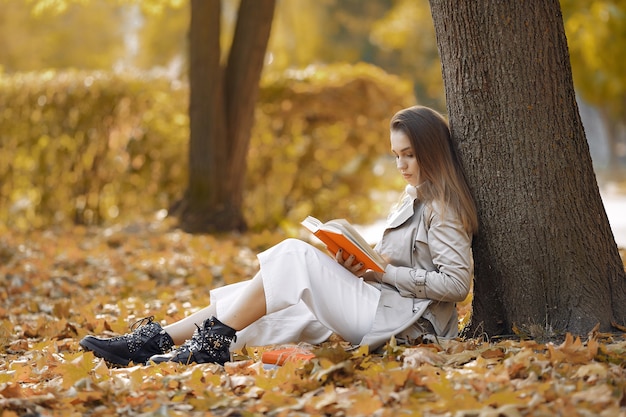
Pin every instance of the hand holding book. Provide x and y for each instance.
(340, 234)
(350, 262)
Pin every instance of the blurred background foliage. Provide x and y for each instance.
(93, 103)
(85, 146)
(94, 147)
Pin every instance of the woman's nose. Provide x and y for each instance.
(400, 163)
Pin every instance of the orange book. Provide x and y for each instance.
(281, 355)
(339, 233)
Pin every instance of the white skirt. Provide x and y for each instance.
(308, 297)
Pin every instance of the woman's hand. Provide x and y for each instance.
(357, 269)
(372, 276)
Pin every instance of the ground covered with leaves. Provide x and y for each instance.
(60, 285)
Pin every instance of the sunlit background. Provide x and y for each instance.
(93, 103)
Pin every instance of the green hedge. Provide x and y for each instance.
(96, 147)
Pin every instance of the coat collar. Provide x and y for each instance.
(405, 209)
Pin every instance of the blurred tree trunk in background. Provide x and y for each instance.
(613, 129)
(221, 112)
(546, 261)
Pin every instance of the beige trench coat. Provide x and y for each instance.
(430, 270)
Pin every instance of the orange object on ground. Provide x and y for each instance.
(281, 355)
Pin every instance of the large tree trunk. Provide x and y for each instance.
(545, 256)
(221, 113)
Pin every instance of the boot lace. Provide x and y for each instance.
(142, 330)
(146, 321)
(195, 343)
(204, 340)
(141, 322)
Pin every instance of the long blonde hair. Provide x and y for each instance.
(440, 171)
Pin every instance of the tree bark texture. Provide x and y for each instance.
(221, 112)
(545, 256)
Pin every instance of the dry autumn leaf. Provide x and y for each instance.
(87, 282)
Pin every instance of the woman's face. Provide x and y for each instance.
(406, 162)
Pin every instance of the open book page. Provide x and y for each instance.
(339, 233)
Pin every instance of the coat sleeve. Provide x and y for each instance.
(450, 249)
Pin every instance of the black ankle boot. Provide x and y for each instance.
(209, 344)
(147, 338)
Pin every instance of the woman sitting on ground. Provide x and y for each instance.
(300, 294)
